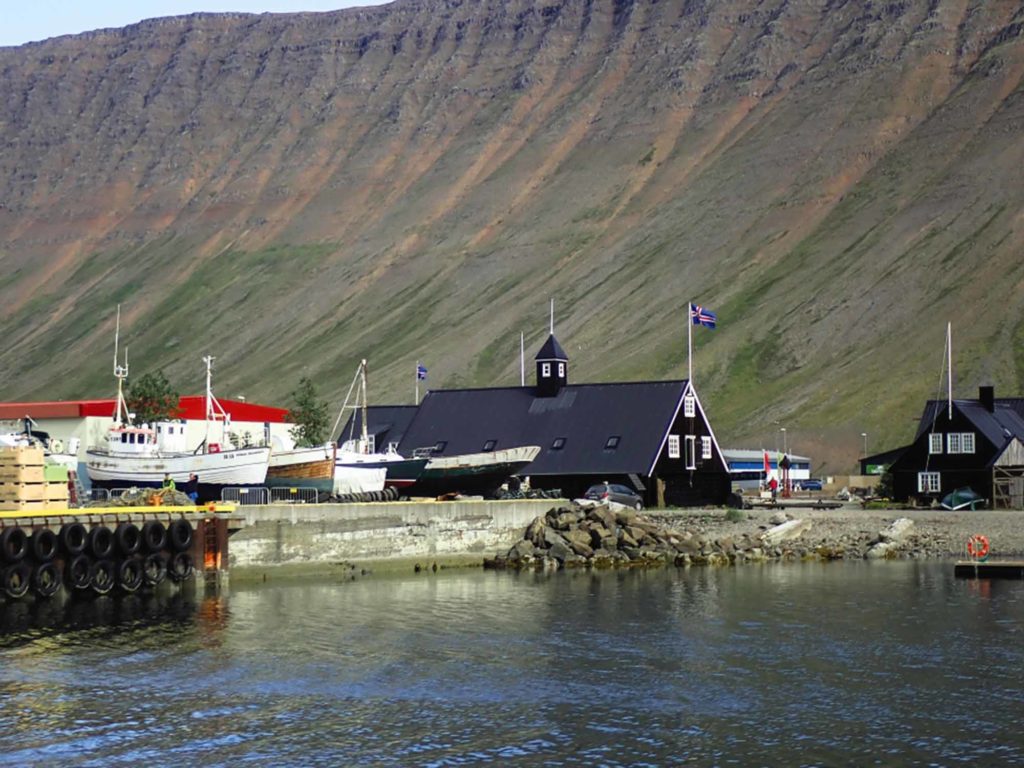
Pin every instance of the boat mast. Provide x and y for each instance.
(120, 373)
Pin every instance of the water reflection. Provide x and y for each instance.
(843, 663)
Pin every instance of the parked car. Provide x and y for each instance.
(620, 494)
(810, 485)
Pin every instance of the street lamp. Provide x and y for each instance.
(785, 451)
(865, 436)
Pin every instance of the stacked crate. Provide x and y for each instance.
(28, 484)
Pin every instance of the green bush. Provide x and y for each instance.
(735, 515)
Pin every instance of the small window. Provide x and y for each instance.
(545, 370)
(689, 406)
(159, 429)
(612, 443)
(673, 446)
(440, 445)
(953, 442)
(928, 482)
(124, 437)
(705, 447)
(967, 442)
(561, 370)
(935, 442)
(691, 451)
(558, 444)
(489, 445)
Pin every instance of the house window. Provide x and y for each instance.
(489, 445)
(558, 444)
(953, 442)
(928, 482)
(935, 443)
(545, 370)
(561, 370)
(689, 406)
(705, 447)
(967, 442)
(691, 451)
(612, 443)
(673, 446)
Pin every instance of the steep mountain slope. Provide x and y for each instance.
(291, 193)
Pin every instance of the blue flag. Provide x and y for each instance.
(421, 373)
(701, 316)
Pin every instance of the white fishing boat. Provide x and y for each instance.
(145, 455)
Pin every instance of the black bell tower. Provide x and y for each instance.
(552, 368)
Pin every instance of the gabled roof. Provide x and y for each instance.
(998, 426)
(584, 415)
(387, 424)
(551, 350)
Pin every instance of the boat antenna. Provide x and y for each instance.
(214, 410)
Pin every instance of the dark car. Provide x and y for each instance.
(810, 485)
(620, 494)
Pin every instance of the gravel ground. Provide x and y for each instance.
(936, 532)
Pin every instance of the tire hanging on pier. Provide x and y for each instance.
(128, 538)
(154, 569)
(100, 543)
(104, 576)
(179, 535)
(154, 536)
(13, 545)
(180, 567)
(72, 539)
(44, 545)
(129, 574)
(78, 572)
(15, 580)
(46, 580)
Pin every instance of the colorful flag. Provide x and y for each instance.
(421, 373)
(701, 316)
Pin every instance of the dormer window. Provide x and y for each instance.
(612, 443)
(558, 444)
(545, 369)
(440, 446)
(489, 445)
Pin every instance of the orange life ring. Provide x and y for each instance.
(977, 546)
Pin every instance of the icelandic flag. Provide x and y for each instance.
(702, 316)
(421, 372)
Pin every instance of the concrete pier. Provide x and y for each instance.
(321, 534)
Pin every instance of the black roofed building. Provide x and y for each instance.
(977, 444)
(652, 435)
(385, 425)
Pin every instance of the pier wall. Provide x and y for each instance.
(297, 534)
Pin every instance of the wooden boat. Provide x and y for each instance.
(471, 473)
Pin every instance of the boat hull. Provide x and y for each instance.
(305, 468)
(238, 467)
(477, 474)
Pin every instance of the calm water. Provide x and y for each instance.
(841, 664)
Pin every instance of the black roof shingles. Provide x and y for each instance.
(585, 415)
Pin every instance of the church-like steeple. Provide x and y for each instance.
(552, 368)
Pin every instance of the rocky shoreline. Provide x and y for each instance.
(574, 536)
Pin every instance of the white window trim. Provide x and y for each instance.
(689, 406)
(545, 370)
(673, 446)
(935, 442)
(967, 442)
(561, 370)
(929, 482)
(705, 447)
(691, 451)
(953, 443)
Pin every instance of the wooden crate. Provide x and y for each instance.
(24, 456)
(57, 492)
(24, 506)
(17, 474)
(33, 491)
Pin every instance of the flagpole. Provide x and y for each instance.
(949, 369)
(522, 359)
(417, 377)
(689, 341)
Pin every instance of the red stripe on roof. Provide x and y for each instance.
(192, 407)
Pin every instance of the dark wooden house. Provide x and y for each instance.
(980, 446)
(651, 435)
